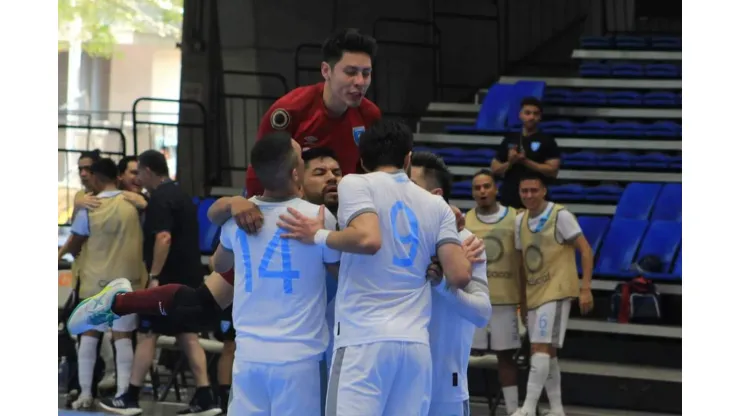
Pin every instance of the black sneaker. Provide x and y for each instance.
(122, 405)
(202, 404)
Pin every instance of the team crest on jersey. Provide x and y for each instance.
(225, 325)
(279, 119)
(357, 132)
(535, 146)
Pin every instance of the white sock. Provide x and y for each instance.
(86, 355)
(511, 398)
(540, 369)
(106, 353)
(124, 363)
(552, 387)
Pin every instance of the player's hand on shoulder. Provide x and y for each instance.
(459, 217)
(89, 201)
(300, 227)
(434, 271)
(474, 248)
(246, 214)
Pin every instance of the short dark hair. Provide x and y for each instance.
(434, 167)
(273, 159)
(533, 101)
(318, 153)
(385, 143)
(123, 163)
(155, 161)
(93, 155)
(487, 172)
(532, 176)
(104, 168)
(347, 40)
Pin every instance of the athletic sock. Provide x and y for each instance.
(124, 363)
(539, 370)
(133, 391)
(224, 390)
(511, 398)
(86, 356)
(106, 353)
(153, 301)
(552, 387)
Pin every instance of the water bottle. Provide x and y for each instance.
(63, 375)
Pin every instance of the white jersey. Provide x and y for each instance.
(451, 338)
(279, 308)
(385, 297)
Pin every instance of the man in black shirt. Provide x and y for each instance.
(527, 151)
(172, 255)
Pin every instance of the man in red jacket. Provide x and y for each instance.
(333, 113)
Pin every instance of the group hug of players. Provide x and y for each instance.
(412, 285)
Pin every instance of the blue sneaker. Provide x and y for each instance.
(95, 310)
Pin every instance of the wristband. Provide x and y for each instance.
(320, 237)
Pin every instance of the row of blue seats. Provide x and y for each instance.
(666, 43)
(558, 193)
(564, 96)
(629, 70)
(642, 201)
(583, 159)
(618, 242)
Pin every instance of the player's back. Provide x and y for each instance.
(279, 289)
(385, 297)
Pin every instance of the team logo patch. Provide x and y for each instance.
(357, 132)
(279, 119)
(535, 146)
(494, 248)
(225, 325)
(533, 259)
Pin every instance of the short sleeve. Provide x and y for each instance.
(518, 231)
(81, 223)
(330, 255)
(354, 199)
(159, 213)
(227, 234)
(567, 227)
(448, 229)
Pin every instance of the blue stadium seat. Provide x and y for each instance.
(675, 162)
(625, 98)
(637, 200)
(594, 229)
(596, 42)
(493, 111)
(627, 70)
(616, 160)
(630, 42)
(662, 240)
(589, 97)
(627, 129)
(462, 189)
(663, 129)
(678, 267)
(558, 96)
(653, 160)
(451, 155)
(594, 69)
(207, 231)
(593, 128)
(668, 206)
(566, 193)
(583, 159)
(660, 99)
(558, 127)
(662, 71)
(523, 89)
(666, 43)
(604, 193)
(619, 247)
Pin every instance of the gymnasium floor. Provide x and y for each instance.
(477, 409)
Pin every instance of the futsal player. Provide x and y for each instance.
(548, 235)
(390, 228)
(455, 312)
(108, 240)
(280, 294)
(495, 225)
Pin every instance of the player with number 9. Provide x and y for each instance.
(279, 294)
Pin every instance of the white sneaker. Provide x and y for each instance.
(95, 311)
(521, 412)
(551, 413)
(83, 402)
(108, 381)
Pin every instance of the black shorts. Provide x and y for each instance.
(165, 325)
(225, 327)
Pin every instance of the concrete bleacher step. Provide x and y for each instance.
(607, 83)
(626, 55)
(592, 175)
(579, 143)
(438, 124)
(471, 110)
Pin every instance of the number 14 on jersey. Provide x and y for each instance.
(285, 273)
